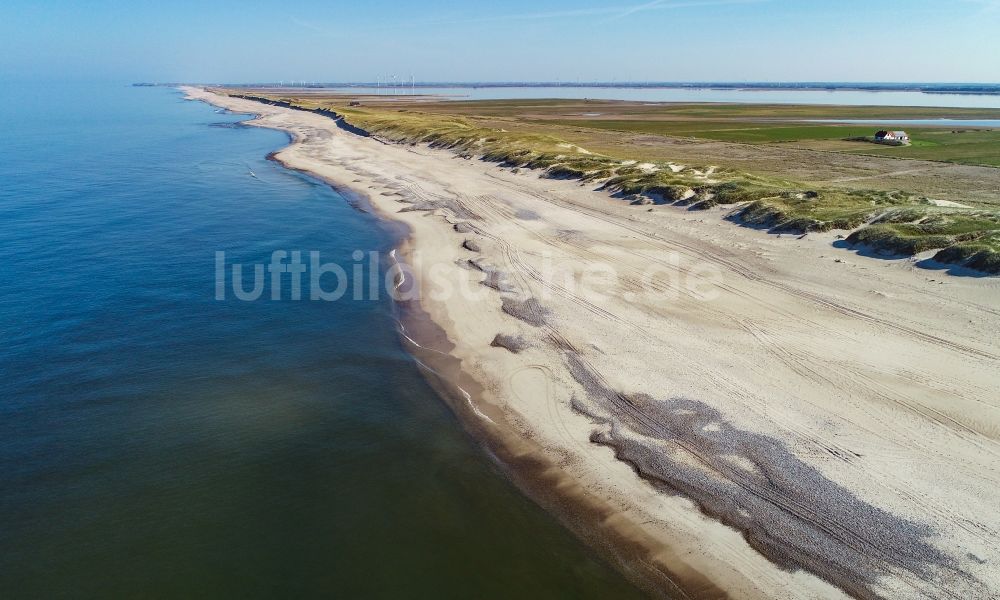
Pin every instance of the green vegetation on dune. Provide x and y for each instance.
(661, 185)
(894, 222)
(911, 230)
(982, 254)
(819, 211)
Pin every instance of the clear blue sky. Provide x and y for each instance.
(332, 40)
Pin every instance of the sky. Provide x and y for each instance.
(515, 40)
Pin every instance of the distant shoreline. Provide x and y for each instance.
(984, 89)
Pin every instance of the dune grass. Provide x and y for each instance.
(911, 230)
(982, 254)
(819, 210)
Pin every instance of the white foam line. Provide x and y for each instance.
(468, 398)
(478, 412)
(424, 365)
(402, 275)
(402, 332)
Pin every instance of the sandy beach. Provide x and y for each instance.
(721, 411)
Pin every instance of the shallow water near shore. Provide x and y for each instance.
(157, 442)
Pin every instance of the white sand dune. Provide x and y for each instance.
(807, 423)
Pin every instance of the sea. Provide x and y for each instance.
(161, 439)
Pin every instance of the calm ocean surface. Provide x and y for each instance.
(155, 442)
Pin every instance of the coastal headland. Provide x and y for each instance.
(723, 411)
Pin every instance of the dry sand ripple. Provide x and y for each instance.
(786, 509)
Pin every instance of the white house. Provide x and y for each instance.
(897, 137)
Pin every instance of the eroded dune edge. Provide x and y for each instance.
(721, 412)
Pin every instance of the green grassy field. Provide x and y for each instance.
(537, 134)
(728, 131)
(971, 147)
(757, 124)
(703, 110)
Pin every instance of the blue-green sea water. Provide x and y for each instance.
(156, 442)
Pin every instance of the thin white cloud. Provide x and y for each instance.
(612, 12)
(666, 4)
(639, 8)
